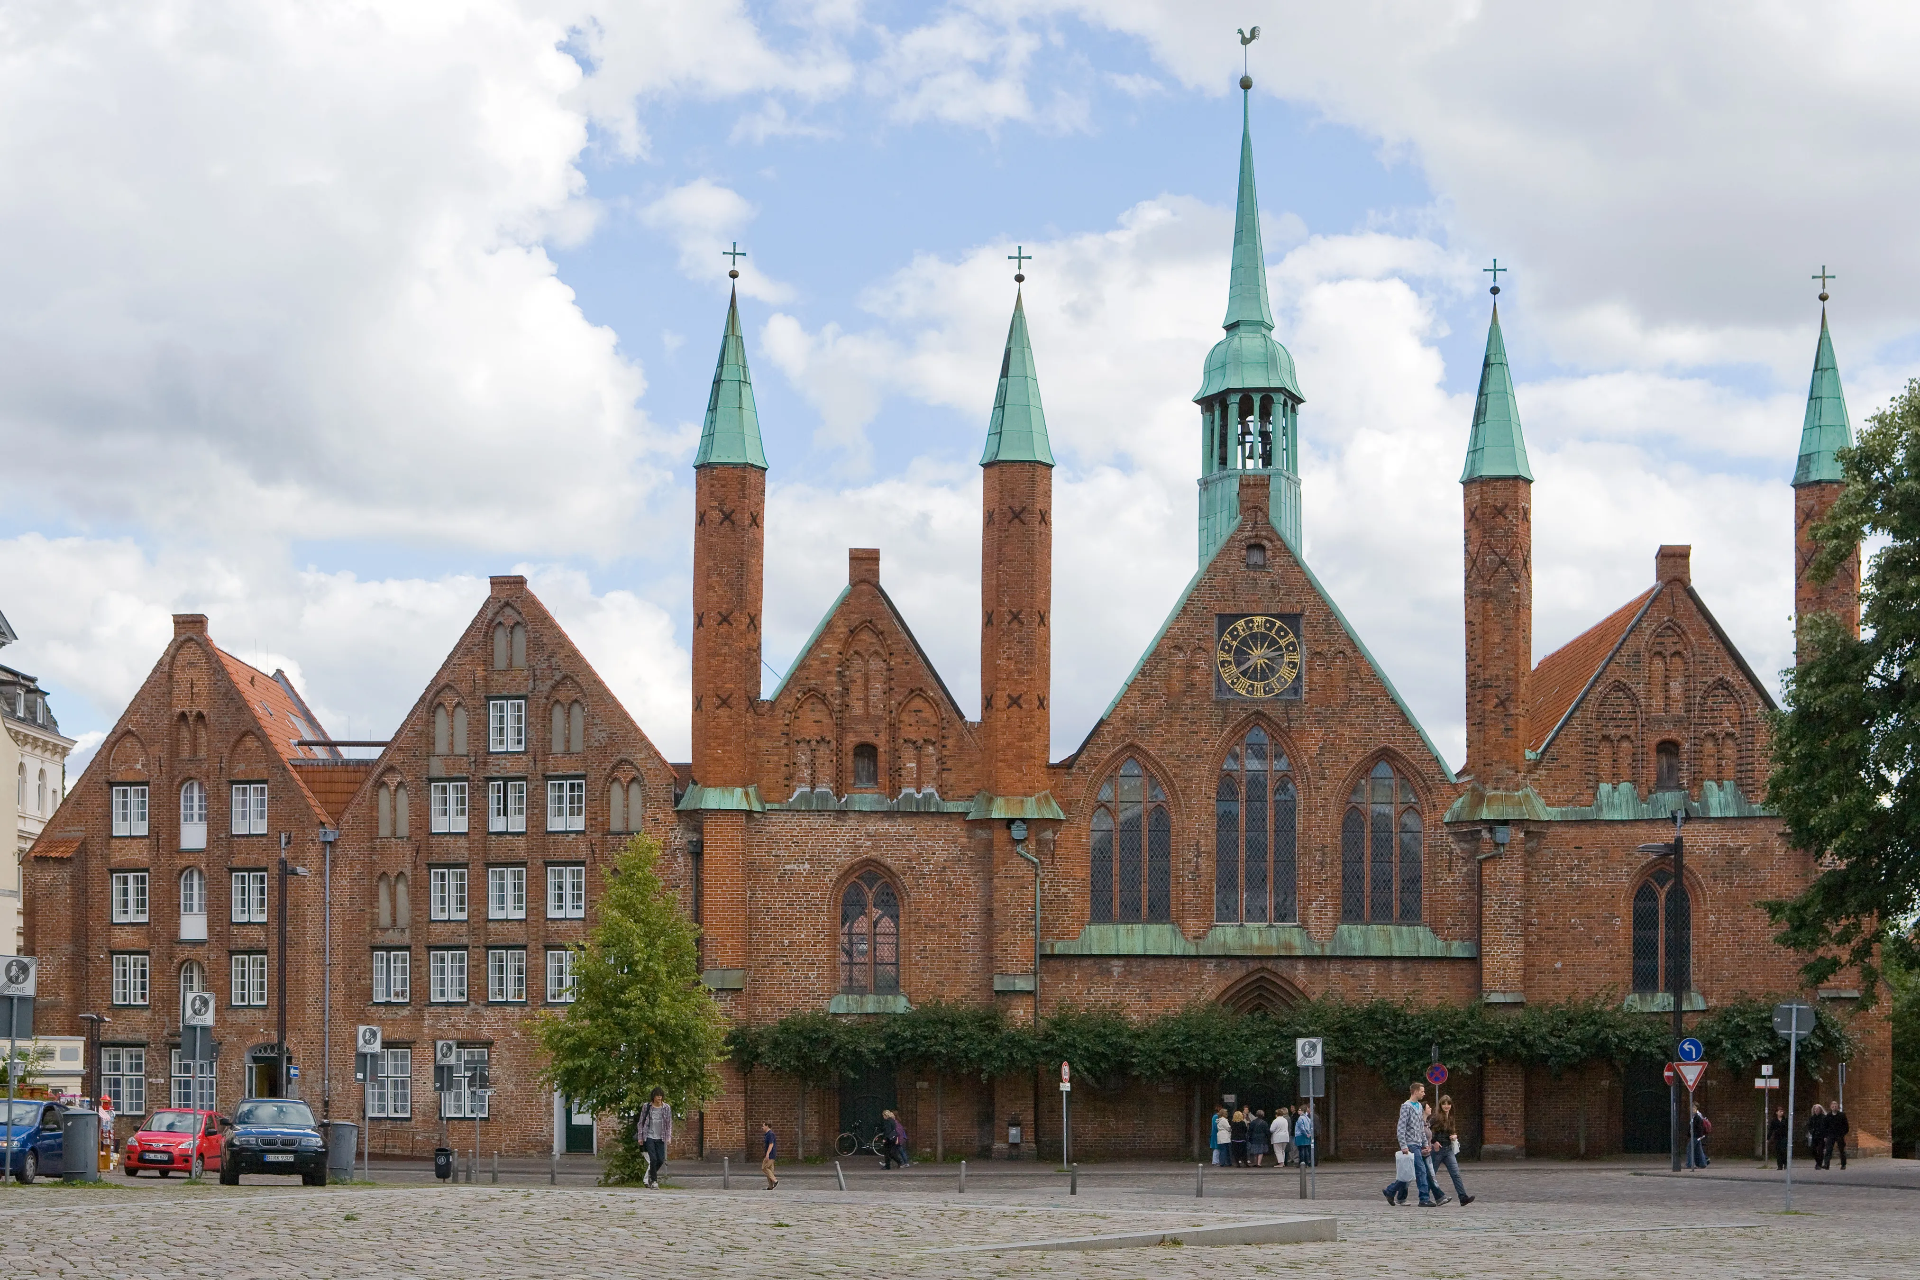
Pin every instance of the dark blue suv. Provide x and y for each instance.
(274, 1135)
(32, 1141)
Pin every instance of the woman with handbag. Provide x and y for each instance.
(1446, 1138)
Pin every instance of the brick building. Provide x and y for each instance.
(1256, 819)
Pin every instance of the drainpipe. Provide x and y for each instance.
(1018, 830)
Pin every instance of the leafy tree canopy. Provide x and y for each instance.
(1846, 745)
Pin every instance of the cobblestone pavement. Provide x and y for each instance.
(1544, 1220)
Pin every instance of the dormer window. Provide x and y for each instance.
(866, 765)
(1256, 556)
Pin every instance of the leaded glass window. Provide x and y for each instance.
(1256, 873)
(1130, 874)
(1381, 848)
(870, 936)
(1661, 906)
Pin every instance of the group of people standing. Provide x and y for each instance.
(1827, 1130)
(1245, 1137)
(1425, 1136)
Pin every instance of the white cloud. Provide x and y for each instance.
(703, 220)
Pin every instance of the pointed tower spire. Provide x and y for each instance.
(731, 433)
(1247, 291)
(1495, 447)
(1817, 485)
(1017, 432)
(1826, 430)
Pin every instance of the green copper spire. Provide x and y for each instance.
(1247, 294)
(1825, 431)
(730, 436)
(1018, 430)
(1496, 449)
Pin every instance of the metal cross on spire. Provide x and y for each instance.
(1496, 269)
(1019, 258)
(733, 257)
(1823, 277)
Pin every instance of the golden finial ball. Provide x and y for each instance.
(1019, 277)
(1246, 82)
(1823, 295)
(734, 274)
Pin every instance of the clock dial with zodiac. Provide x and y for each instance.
(1257, 655)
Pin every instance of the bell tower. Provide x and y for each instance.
(1816, 487)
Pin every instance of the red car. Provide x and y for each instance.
(168, 1140)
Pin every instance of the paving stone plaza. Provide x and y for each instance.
(1540, 1219)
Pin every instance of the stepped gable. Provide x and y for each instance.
(862, 678)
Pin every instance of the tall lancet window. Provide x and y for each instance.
(1381, 845)
(1131, 863)
(1256, 830)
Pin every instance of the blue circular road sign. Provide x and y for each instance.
(1692, 1050)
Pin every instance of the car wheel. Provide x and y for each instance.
(314, 1179)
(29, 1167)
(229, 1174)
(166, 1173)
(199, 1168)
(130, 1171)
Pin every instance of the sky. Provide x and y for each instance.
(314, 315)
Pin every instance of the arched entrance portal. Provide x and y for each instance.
(1261, 993)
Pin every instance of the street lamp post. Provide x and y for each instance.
(327, 836)
(1676, 981)
(287, 871)
(90, 1080)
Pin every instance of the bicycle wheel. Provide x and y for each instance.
(847, 1144)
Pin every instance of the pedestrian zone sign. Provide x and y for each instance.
(1690, 1073)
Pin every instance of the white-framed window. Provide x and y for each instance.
(129, 807)
(560, 988)
(506, 893)
(462, 1103)
(392, 977)
(566, 893)
(193, 977)
(447, 893)
(129, 897)
(249, 980)
(507, 724)
(249, 897)
(123, 1077)
(507, 975)
(192, 1084)
(131, 971)
(447, 977)
(193, 905)
(390, 1088)
(249, 809)
(449, 804)
(507, 805)
(193, 816)
(567, 804)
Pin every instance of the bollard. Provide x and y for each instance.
(496, 1168)
(473, 1164)
(1303, 1180)
(1199, 1181)
(839, 1175)
(963, 1177)
(553, 1168)
(1073, 1180)
(726, 1174)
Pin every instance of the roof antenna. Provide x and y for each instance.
(1246, 75)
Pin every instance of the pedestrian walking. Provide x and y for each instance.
(768, 1149)
(1838, 1127)
(1280, 1137)
(893, 1141)
(1699, 1127)
(1410, 1132)
(1777, 1136)
(1446, 1138)
(1427, 1153)
(655, 1131)
(1238, 1132)
(1222, 1137)
(1303, 1137)
(1257, 1138)
(1817, 1135)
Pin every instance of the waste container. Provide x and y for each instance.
(343, 1137)
(80, 1146)
(443, 1163)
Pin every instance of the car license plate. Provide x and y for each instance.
(280, 1155)
(158, 1157)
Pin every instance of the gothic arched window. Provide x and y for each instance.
(870, 936)
(1255, 871)
(1661, 908)
(1380, 851)
(1131, 868)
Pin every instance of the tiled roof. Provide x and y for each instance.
(1564, 675)
(280, 718)
(333, 782)
(60, 846)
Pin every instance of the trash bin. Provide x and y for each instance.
(80, 1145)
(443, 1163)
(343, 1137)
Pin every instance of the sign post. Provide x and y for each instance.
(1309, 1056)
(1066, 1115)
(19, 976)
(1763, 1082)
(367, 1042)
(1793, 1020)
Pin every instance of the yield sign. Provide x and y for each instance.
(1690, 1073)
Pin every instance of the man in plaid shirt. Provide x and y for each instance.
(1410, 1131)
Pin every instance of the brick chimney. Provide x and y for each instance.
(502, 585)
(1673, 564)
(863, 565)
(189, 624)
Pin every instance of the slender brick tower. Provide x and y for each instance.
(1816, 487)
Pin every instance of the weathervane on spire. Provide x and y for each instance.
(1496, 269)
(1823, 277)
(1019, 258)
(733, 257)
(1247, 37)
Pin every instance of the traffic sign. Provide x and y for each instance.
(1690, 1073)
(1766, 1070)
(1667, 1073)
(1793, 1020)
(1307, 1052)
(1066, 1074)
(366, 1040)
(1766, 1082)
(1436, 1075)
(1691, 1050)
(293, 1071)
(199, 1009)
(18, 975)
(446, 1053)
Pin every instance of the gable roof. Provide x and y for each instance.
(899, 621)
(279, 717)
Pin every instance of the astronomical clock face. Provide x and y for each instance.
(1257, 655)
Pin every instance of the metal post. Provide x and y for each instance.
(473, 1102)
(839, 1175)
(726, 1174)
(1793, 1072)
(963, 1177)
(327, 836)
(553, 1168)
(1073, 1179)
(13, 1010)
(1066, 1127)
(1680, 1127)
(1313, 1151)
(280, 969)
(1199, 1181)
(496, 1167)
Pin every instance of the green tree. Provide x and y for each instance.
(1846, 745)
(640, 1019)
(1904, 983)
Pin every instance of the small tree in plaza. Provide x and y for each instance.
(640, 1018)
(1846, 746)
